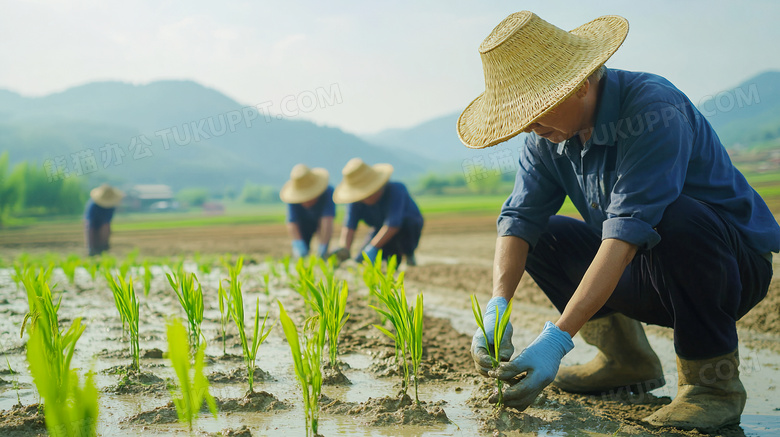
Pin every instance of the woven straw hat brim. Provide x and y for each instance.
(292, 194)
(106, 196)
(510, 106)
(346, 193)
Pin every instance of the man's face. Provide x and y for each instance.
(565, 120)
(374, 198)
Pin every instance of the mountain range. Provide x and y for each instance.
(183, 134)
(178, 133)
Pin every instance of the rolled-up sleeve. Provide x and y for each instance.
(650, 176)
(535, 197)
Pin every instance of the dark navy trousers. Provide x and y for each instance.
(700, 279)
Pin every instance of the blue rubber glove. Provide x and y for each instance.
(479, 352)
(299, 248)
(323, 250)
(540, 360)
(370, 251)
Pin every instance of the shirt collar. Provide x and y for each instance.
(607, 110)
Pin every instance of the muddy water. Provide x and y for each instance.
(101, 348)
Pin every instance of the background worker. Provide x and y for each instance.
(672, 235)
(310, 209)
(98, 213)
(385, 206)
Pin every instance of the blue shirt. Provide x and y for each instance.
(395, 208)
(96, 215)
(324, 207)
(649, 145)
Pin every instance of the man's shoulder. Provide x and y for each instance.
(640, 89)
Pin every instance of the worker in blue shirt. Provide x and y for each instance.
(672, 235)
(98, 213)
(310, 209)
(385, 206)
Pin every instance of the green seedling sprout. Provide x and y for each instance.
(224, 314)
(237, 313)
(92, 267)
(416, 340)
(15, 383)
(271, 263)
(407, 323)
(127, 305)
(307, 358)
(267, 284)
(286, 265)
(49, 353)
(502, 320)
(191, 300)
(193, 384)
(147, 278)
(131, 259)
(69, 266)
(329, 302)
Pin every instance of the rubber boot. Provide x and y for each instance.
(625, 360)
(709, 395)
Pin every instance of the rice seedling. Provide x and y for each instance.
(91, 266)
(329, 301)
(502, 320)
(267, 283)
(70, 410)
(237, 313)
(396, 312)
(224, 313)
(286, 264)
(69, 266)
(271, 263)
(127, 305)
(191, 300)
(147, 278)
(416, 340)
(307, 358)
(193, 384)
(303, 283)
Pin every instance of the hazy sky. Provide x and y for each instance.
(395, 63)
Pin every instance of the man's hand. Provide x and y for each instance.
(370, 251)
(341, 254)
(322, 252)
(480, 352)
(299, 248)
(540, 361)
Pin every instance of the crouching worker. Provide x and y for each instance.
(98, 213)
(672, 235)
(385, 206)
(310, 209)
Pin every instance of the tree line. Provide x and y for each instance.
(27, 189)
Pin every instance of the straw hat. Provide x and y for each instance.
(361, 180)
(106, 196)
(305, 184)
(530, 67)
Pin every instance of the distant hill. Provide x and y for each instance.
(192, 136)
(438, 141)
(749, 114)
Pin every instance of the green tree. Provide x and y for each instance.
(253, 193)
(193, 196)
(9, 190)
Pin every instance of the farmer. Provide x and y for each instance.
(98, 213)
(385, 206)
(672, 235)
(310, 209)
